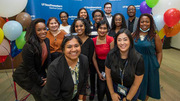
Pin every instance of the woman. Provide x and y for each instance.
(124, 67)
(148, 43)
(67, 75)
(82, 13)
(31, 75)
(55, 36)
(103, 43)
(118, 22)
(82, 28)
(64, 18)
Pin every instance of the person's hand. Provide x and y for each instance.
(44, 83)
(115, 97)
(101, 77)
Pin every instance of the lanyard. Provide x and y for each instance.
(122, 72)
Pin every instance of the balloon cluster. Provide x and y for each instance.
(12, 30)
(166, 15)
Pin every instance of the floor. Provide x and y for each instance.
(169, 80)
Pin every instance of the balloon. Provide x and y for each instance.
(2, 22)
(158, 19)
(172, 31)
(5, 48)
(161, 33)
(24, 19)
(144, 8)
(171, 17)
(9, 8)
(14, 50)
(2, 58)
(151, 3)
(1, 35)
(163, 5)
(12, 30)
(20, 41)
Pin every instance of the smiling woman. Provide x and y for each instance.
(31, 75)
(55, 36)
(67, 75)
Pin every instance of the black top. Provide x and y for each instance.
(115, 72)
(60, 86)
(112, 33)
(88, 49)
(130, 25)
(94, 28)
(31, 70)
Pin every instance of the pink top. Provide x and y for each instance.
(44, 53)
(103, 49)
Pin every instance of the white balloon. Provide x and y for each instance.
(159, 21)
(5, 48)
(163, 5)
(9, 8)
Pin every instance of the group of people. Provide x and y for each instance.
(126, 55)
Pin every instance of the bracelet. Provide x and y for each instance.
(127, 99)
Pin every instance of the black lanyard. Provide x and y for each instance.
(122, 72)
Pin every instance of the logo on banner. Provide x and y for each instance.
(137, 6)
(72, 17)
(92, 8)
(51, 6)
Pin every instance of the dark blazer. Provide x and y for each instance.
(60, 84)
(30, 70)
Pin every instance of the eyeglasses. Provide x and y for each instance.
(107, 7)
(118, 19)
(63, 16)
(96, 16)
(131, 10)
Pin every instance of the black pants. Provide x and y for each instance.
(102, 85)
(92, 78)
(36, 92)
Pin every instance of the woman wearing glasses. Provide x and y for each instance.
(64, 19)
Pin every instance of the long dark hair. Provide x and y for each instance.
(123, 25)
(31, 37)
(78, 16)
(116, 55)
(151, 32)
(86, 24)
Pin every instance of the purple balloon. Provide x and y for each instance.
(144, 8)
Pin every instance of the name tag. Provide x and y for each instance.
(122, 90)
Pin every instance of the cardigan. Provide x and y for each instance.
(135, 23)
(31, 70)
(60, 84)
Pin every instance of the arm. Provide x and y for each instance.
(91, 51)
(115, 96)
(53, 84)
(158, 45)
(85, 66)
(134, 87)
(112, 45)
(96, 66)
(29, 64)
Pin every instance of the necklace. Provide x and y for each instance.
(142, 37)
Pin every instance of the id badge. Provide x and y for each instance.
(122, 90)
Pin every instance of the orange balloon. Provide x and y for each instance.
(2, 22)
(172, 31)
